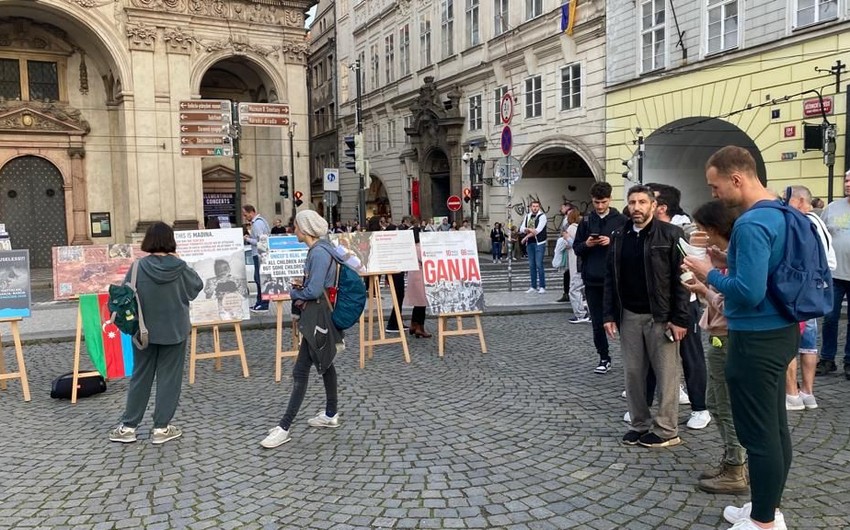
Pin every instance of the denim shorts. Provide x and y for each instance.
(809, 338)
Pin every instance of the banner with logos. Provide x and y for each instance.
(15, 291)
(281, 260)
(451, 272)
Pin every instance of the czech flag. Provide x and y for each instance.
(110, 351)
(568, 16)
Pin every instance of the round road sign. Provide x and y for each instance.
(453, 203)
(506, 108)
(507, 140)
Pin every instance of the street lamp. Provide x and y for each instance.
(292, 167)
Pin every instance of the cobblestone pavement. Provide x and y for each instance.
(525, 436)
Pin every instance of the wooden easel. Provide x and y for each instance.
(279, 353)
(77, 344)
(375, 307)
(217, 352)
(443, 331)
(19, 354)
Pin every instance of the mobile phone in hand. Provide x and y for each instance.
(669, 334)
(594, 236)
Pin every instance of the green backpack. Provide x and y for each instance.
(126, 312)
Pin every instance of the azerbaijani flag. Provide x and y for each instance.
(110, 351)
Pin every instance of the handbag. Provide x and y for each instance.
(62, 386)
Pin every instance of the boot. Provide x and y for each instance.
(732, 480)
(420, 331)
(713, 471)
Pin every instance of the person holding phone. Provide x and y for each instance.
(646, 302)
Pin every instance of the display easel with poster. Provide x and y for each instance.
(218, 258)
(15, 299)
(374, 254)
(453, 283)
(82, 273)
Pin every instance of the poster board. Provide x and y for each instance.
(91, 269)
(15, 290)
(451, 272)
(218, 258)
(378, 252)
(281, 260)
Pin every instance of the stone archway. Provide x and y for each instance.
(677, 152)
(554, 175)
(377, 199)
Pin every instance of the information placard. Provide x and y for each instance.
(451, 272)
(281, 259)
(378, 252)
(15, 291)
(90, 269)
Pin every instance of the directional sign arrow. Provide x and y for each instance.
(263, 108)
(263, 120)
(204, 116)
(204, 129)
(205, 104)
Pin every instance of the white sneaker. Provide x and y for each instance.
(627, 418)
(276, 437)
(683, 396)
(165, 434)
(736, 516)
(323, 420)
(699, 419)
(623, 395)
(809, 400)
(794, 402)
(541, 291)
(531, 290)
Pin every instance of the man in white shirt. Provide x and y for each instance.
(533, 232)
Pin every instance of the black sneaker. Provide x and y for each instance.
(603, 367)
(651, 439)
(826, 366)
(563, 298)
(632, 437)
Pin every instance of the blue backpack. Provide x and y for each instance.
(801, 285)
(350, 298)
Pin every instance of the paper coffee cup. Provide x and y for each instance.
(687, 276)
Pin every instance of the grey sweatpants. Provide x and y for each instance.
(165, 361)
(644, 345)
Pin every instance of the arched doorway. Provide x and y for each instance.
(437, 171)
(377, 201)
(32, 203)
(677, 152)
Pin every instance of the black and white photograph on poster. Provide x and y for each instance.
(15, 292)
(218, 258)
(281, 260)
(451, 272)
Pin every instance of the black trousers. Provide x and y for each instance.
(594, 304)
(300, 378)
(566, 282)
(418, 315)
(398, 283)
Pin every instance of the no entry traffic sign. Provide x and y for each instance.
(453, 203)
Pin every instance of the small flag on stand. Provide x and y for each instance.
(568, 16)
(110, 351)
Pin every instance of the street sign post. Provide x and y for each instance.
(264, 114)
(507, 141)
(331, 198)
(331, 179)
(507, 170)
(204, 127)
(506, 108)
(453, 203)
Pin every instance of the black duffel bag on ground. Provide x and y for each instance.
(86, 386)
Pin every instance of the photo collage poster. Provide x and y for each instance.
(15, 291)
(91, 269)
(451, 272)
(377, 252)
(281, 260)
(218, 258)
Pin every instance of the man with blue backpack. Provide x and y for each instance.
(777, 276)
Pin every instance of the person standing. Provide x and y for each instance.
(593, 237)
(414, 294)
(497, 239)
(762, 340)
(576, 289)
(566, 208)
(837, 218)
(398, 283)
(319, 274)
(259, 227)
(165, 286)
(644, 298)
(533, 232)
(800, 198)
(278, 229)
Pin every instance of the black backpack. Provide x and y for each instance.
(125, 310)
(86, 386)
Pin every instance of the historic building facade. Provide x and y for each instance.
(433, 73)
(89, 118)
(695, 76)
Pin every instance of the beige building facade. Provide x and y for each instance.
(89, 113)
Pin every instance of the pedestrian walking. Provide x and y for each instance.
(576, 288)
(497, 240)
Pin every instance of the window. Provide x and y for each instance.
(425, 41)
(331, 68)
(28, 80)
(448, 26)
(500, 17)
(389, 55)
(571, 87)
(722, 25)
(332, 114)
(815, 11)
(391, 132)
(376, 137)
(475, 113)
(404, 50)
(408, 123)
(533, 8)
(317, 122)
(652, 35)
(472, 33)
(499, 94)
(533, 97)
(376, 65)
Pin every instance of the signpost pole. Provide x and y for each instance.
(361, 190)
(234, 135)
(510, 243)
(292, 168)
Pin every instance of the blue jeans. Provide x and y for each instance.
(840, 289)
(497, 250)
(809, 338)
(535, 262)
(260, 301)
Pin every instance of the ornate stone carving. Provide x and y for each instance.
(77, 152)
(141, 36)
(178, 41)
(268, 12)
(27, 34)
(84, 75)
(293, 18)
(241, 47)
(90, 3)
(167, 5)
(29, 116)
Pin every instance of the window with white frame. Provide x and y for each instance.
(425, 41)
(571, 87)
(652, 33)
(499, 93)
(810, 12)
(376, 137)
(722, 31)
(389, 57)
(533, 97)
(475, 113)
(404, 50)
(533, 8)
(472, 33)
(391, 134)
(447, 23)
(376, 65)
(408, 123)
(500, 17)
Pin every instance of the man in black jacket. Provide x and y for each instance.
(591, 245)
(644, 297)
